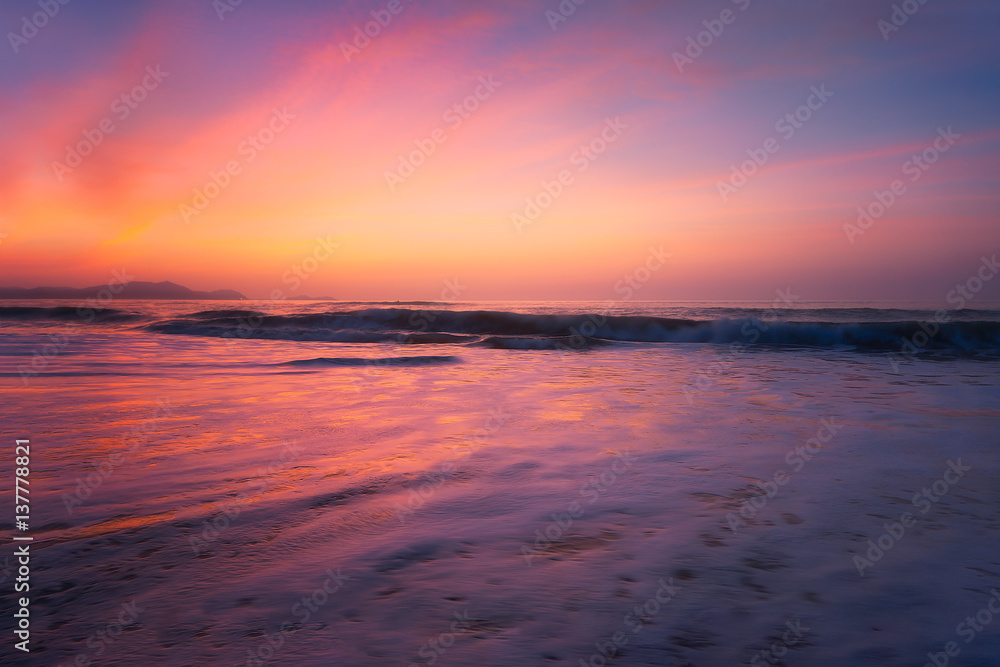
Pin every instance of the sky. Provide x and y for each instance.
(519, 149)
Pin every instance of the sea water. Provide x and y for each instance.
(329, 483)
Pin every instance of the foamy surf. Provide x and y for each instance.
(316, 503)
(910, 331)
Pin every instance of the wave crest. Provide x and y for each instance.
(509, 330)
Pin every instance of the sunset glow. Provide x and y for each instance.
(503, 333)
(224, 140)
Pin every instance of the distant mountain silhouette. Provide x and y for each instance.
(133, 290)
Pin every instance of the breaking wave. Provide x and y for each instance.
(508, 330)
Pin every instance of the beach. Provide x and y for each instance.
(201, 500)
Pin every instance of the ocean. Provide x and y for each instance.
(517, 483)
